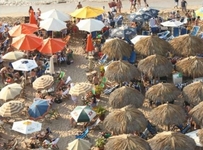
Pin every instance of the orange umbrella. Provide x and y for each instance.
(26, 42)
(51, 45)
(89, 46)
(32, 19)
(24, 28)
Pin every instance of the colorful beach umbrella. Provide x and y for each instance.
(24, 28)
(10, 91)
(24, 65)
(26, 42)
(43, 82)
(38, 109)
(15, 55)
(83, 114)
(53, 13)
(11, 108)
(199, 12)
(87, 12)
(90, 25)
(27, 126)
(51, 46)
(89, 45)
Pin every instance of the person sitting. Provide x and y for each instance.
(95, 79)
(93, 102)
(50, 98)
(60, 84)
(38, 94)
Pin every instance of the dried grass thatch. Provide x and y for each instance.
(120, 71)
(200, 135)
(172, 141)
(117, 48)
(155, 66)
(163, 92)
(193, 93)
(127, 142)
(191, 66)
(125, 120)
(187, 45)
(126, 96)
(168, 114)
(153, 45)
(197, 113)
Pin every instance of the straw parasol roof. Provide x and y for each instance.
(126, 96)
(193, 93)
(117, 48)
(191, 66)
(126, 142)
(163, 92)
(171, 141)
(153, 45)
(167, 114)
(120, 71)
(197, 113)
(200, 135)
(125, 120)
(187, 45)
(155, 66)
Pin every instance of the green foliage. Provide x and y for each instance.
(100, 142)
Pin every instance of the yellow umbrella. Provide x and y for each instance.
(87, 12)
(199, 12)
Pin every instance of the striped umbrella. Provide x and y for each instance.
(10, 108)
(43, 82)
(83, 114)
(10, 91)
(80, 88)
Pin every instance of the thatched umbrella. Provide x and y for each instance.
(126, 96)
(127, 142)
(155, 66)
(168, 114)
(187, 45)
(153, 45)
(191, 66)
(162, 92)
(117, 48)
(200, 135)
(125, 120)
(193, 93)
(172, 141)
(120, 71)
(197, 114)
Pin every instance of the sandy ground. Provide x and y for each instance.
(61, 127)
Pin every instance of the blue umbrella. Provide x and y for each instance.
(144, 16)
(38, 109)
(123, 32)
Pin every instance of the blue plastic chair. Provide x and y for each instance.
(183, 31)
(176, 31)
(94, 34)
(145, 32)
(195, 30)
(83, 135)
(163, 35)
(132, 58)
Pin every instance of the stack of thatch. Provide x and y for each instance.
(197, 113)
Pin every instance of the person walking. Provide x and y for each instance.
(176, 4)
(183, 6)
(118, 6)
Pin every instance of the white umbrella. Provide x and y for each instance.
(53, 13)
(137, 38)
(52, 24)
(24, 65)
(90, 25)
(172, 23)
(27, 126)
(13, 55)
